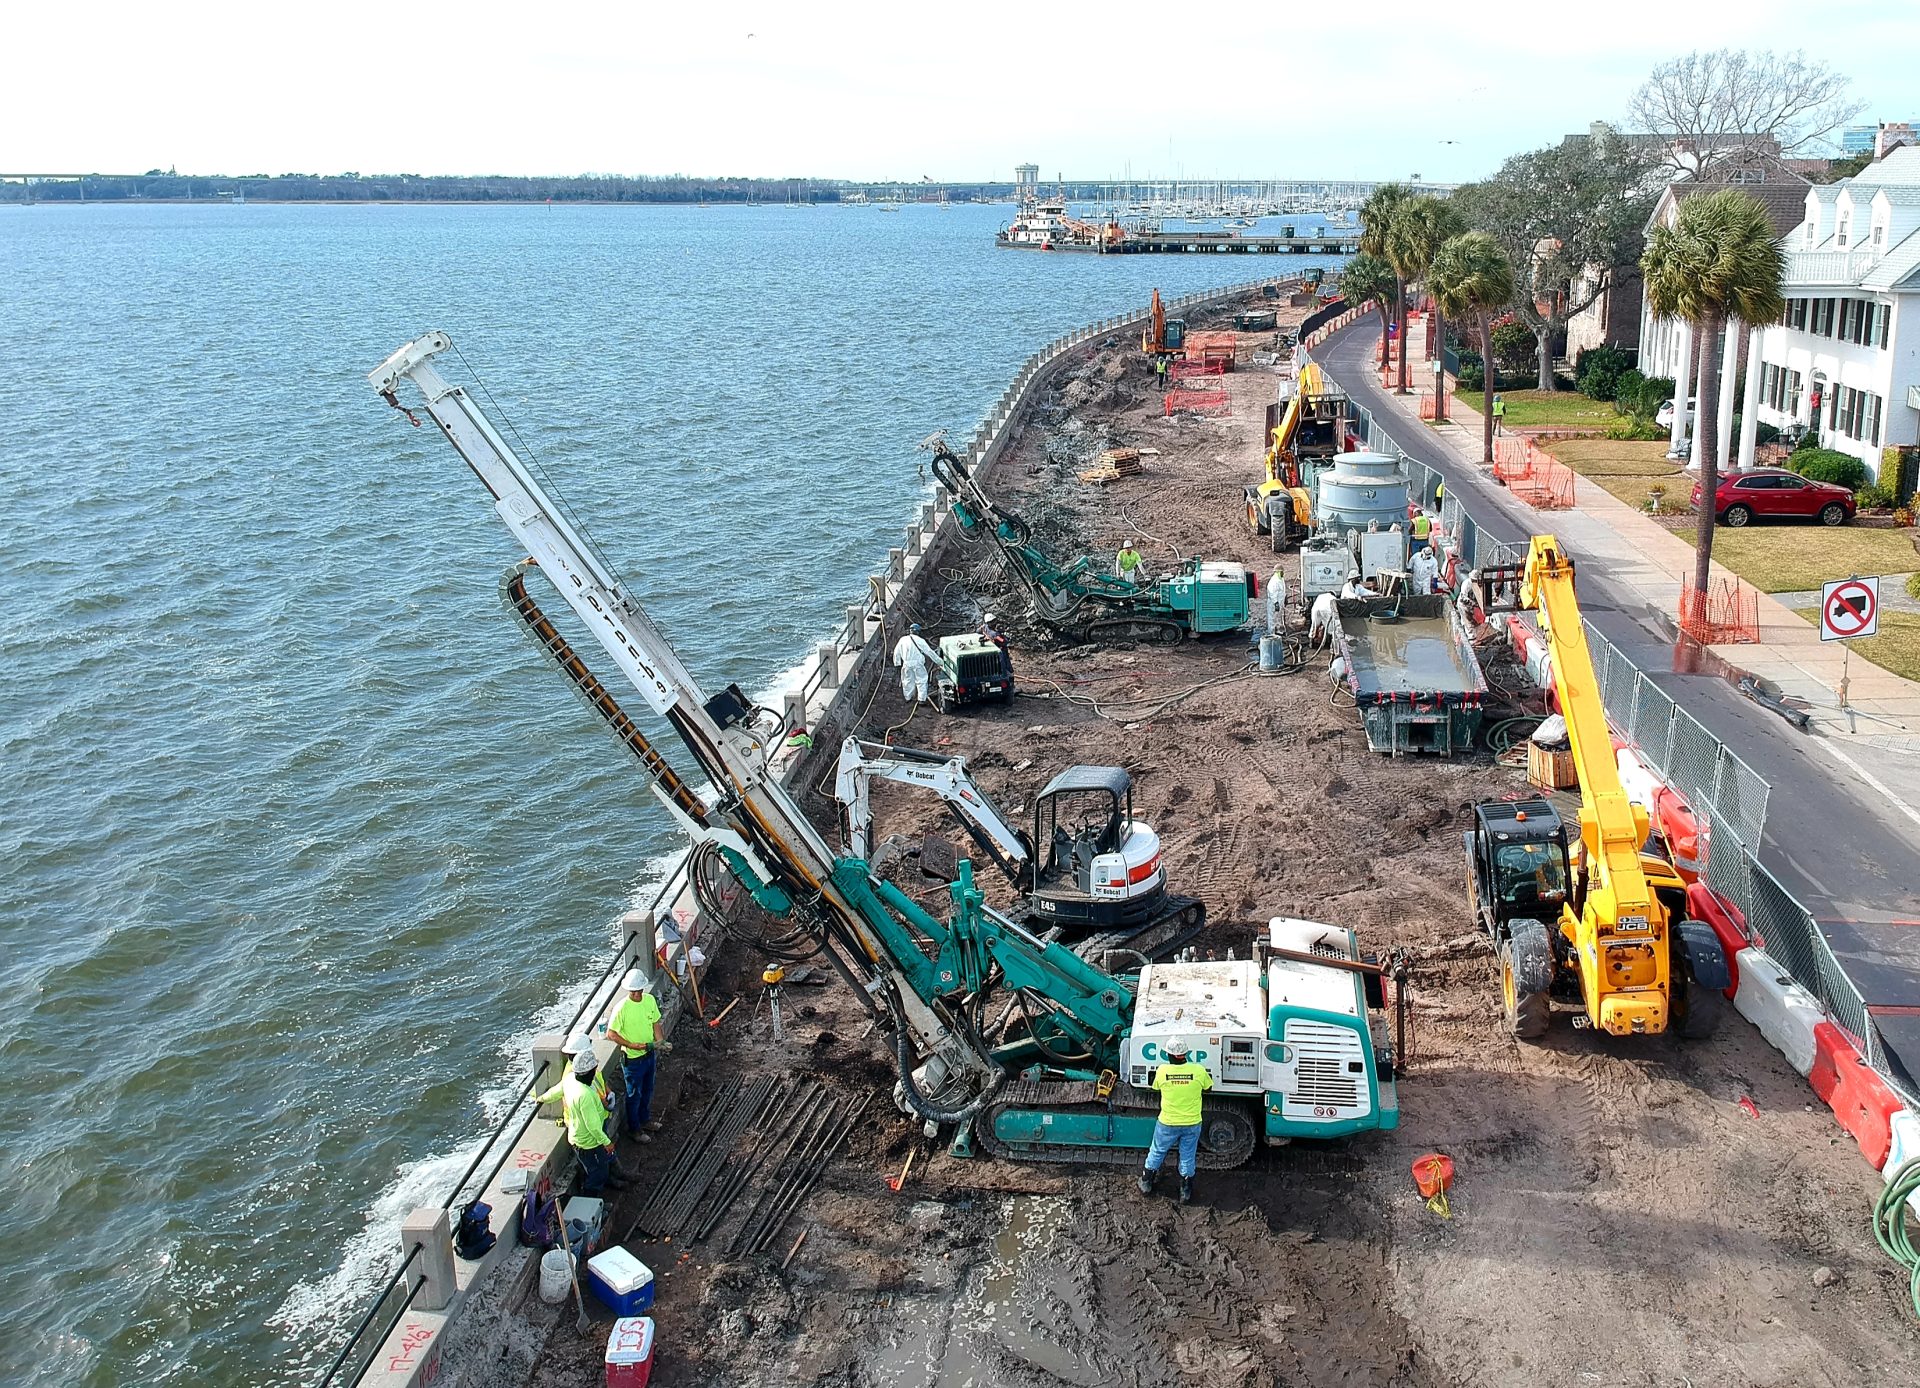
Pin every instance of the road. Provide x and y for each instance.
(1834, 836)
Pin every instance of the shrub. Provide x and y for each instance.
(1598, 370)
(1830, 465)
(1764, 432)
(1626, 390)
(1873, 497)
(1635, 426)
(1472, 377)
(1807, 441)
(1514, 347)
(1913, 585)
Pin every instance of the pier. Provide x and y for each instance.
(1227, 242)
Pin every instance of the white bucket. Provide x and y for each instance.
(556, 1275)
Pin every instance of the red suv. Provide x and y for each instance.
(1770, 491)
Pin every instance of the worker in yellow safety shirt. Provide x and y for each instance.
(585, 1115)
(1160, 370)
(1126, 564)
(1182, 1084)
(634, 1029)
(1422, 531)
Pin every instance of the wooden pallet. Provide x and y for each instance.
(1114, 464)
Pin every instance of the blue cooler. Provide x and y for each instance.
(621, 1281)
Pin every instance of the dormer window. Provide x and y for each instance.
(1840, 231)
(1879, 234)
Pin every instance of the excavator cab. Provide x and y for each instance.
(1098, 866)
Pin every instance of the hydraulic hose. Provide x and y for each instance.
(1891, 1229)
(920, 1103)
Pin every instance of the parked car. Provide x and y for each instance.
(1774, 492)
(1664, 416)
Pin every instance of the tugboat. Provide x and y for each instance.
(1044, 225)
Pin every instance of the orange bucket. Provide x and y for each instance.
(1433, 1174)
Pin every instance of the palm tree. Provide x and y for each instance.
(1376, 225)
(1367, 279)
(1718, 259)
(1417, 230)
(1471, 281)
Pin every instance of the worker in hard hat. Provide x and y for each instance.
(1126, 564)
(1421, 529)
(585, 1115)
(1181, 1083)
(1423, 570)
(635, 1029)
(1358, 587)
(915, 659)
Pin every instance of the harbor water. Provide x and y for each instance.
(303, 842)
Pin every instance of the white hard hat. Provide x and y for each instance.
(585, 1063)
(577, 1043)
(635, 981)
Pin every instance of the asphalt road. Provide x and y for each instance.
(1833, 839)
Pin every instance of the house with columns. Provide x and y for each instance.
(1845, 358)
(1667, 345)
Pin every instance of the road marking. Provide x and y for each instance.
(1871, 780)
(1794, 863)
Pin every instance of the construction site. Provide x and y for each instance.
(1667, 1206)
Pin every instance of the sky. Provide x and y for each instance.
(902, 91)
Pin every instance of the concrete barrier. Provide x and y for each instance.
(1785, 1012)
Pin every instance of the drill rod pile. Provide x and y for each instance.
(814, 1143)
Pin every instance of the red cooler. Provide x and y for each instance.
(630, 1353)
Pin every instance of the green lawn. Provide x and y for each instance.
(1627, 469)
(1895, 649)
(1781, 558)
(1542, 409)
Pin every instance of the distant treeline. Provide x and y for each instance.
(159, 186)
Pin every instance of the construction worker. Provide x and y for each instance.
(1423, 570)
(1181, 1083)
(915, 659)
(1421, 530)
(1439, 493)
(1358, 587)
(1126, 564)
(586, 1118)
(634, 1029)
(1499, 415)
(1160, 370)
(1323, 620)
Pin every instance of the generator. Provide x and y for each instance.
(972, 668)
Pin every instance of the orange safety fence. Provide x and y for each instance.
(1197, 401)
(1220, 347)
(1512, 459)
(1548, 486)
(1727, 614)
(1427, 406)
(1184, 370)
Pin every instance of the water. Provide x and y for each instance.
(302, 841)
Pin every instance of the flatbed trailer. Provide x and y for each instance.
(1409, 663)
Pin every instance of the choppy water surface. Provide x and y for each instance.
(301, 840)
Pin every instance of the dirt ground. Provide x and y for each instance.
(1618, 1217)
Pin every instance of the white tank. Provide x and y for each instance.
(1361, 487)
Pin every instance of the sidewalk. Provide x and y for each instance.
(1654, 564)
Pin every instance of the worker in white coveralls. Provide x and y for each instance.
(916, 660)
(1422, 570)
(1325, 614)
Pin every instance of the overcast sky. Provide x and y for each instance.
(1382, 89)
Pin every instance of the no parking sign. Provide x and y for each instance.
(1849, 607)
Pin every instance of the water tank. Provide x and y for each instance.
(1358, 488)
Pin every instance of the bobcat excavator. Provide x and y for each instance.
(1096, 877)
(1012, 1043)
(1594, 919)
(1312, 429)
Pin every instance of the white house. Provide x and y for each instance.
(1845, 359)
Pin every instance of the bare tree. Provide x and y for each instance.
(1731, 107)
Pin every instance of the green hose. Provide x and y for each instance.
(1501, 735)
(1891, 1230)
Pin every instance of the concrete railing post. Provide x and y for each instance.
(637, 937)
(549, 1065)
(829, 657)
(856, 626)
(896, 565)
(930, 514)
(431, 1232)
(795, 704)
(913, 540)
